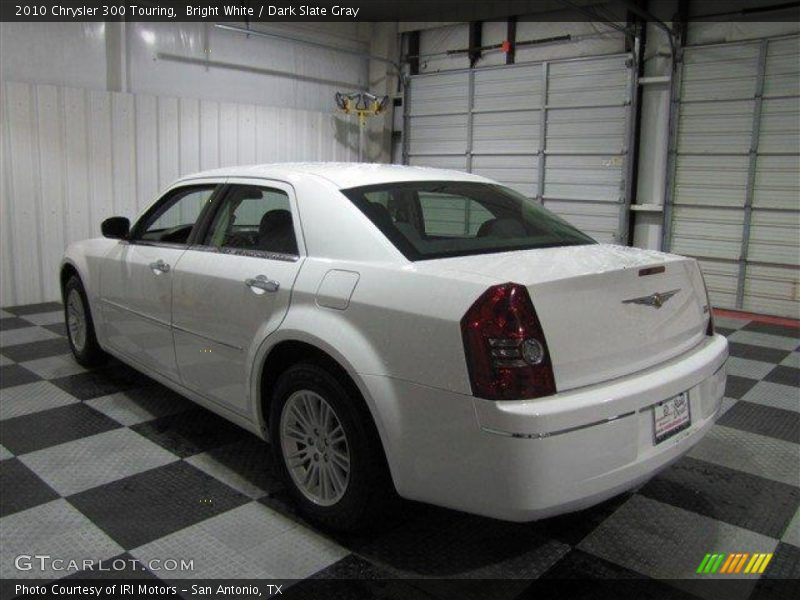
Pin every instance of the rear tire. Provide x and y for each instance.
(80, 326)
(327, 450)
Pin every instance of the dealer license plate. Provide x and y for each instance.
(671, 416)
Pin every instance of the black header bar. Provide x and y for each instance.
(381, 10)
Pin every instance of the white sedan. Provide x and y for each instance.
(400, 329)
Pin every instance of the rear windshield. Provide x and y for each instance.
(436, 219)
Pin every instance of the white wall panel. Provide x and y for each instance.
(271, 71)
(73, 157)
(77, 173)
(51, 177)
(189, 134)
(736, 187)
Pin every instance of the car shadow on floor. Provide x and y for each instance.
(414, 541)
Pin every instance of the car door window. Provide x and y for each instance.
(254, 219)
(172, 219)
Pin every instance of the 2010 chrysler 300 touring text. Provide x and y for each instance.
(400, 329)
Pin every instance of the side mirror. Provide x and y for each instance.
(116, 228)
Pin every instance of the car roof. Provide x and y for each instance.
(342, 175)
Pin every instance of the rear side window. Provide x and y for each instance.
(436, 219)
(255, 219)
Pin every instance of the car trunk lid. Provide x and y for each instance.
(606, 311)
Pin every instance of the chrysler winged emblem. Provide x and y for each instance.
(656, 300)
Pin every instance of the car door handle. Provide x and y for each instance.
(159, 267)
(261, 282)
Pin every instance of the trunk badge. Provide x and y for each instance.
(656, 300)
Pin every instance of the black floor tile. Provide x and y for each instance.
(763, 420)
(784, 375)
(101, 382)
(10, 323)
(251, 459)
(781, 579)
(762, 353)
(191, 432)
(144, 507)
(792, 332)
(32, 309)
(446, 544)
(352, 566)
(11, 375)
(577, 564)
(724, 331)
(736, 387)
(51, 427)
(582, 575)
(571, 528)
(58, 328)
(785, 564)
(354, 578)
(21, 488)
(122, 566)
(727, 495)
(36, 350)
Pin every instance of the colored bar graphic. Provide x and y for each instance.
(754, 563)
(763, 566)
(718, 562)
(740, 564)
(701, 568)
(728, 563)
(734, 563)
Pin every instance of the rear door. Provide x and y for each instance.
(137, 277)
(233, 287)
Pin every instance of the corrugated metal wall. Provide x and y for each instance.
(735, 196)
(556, 131)
(72, 157)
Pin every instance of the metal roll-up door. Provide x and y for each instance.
(436, 129)
(556, 131)
(734, 201)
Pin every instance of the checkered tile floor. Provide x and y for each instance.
(108, 463)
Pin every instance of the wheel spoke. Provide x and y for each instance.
(336, 479)
(336, 435)
(324, 483)
(326, 417)
(295, 434)
(341, 459)
(309, 474)
(300, 453)
(302, 420)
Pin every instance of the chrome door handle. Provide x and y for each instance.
(260, 282)
(159, 267)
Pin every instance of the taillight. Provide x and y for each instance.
(507, 355)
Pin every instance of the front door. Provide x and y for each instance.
(232, 289)
(137, 278)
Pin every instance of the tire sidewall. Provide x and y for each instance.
(91, 353)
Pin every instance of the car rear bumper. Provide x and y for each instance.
(525, 460)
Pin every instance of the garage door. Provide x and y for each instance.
(735, 194)
(555, 131)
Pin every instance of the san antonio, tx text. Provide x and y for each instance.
(77, 589)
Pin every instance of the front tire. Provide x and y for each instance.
(80, 326)
(327, 450)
